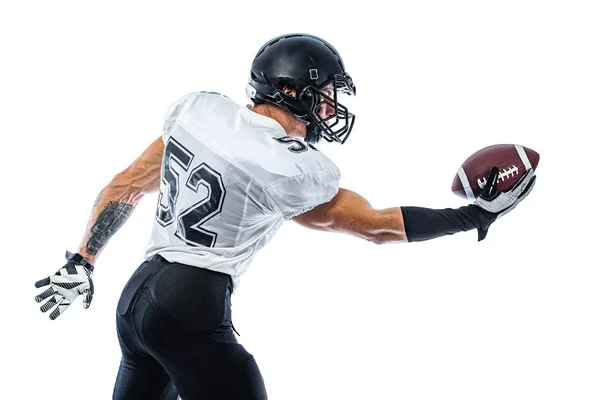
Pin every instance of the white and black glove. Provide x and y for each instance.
(72, 280)
(498, 203)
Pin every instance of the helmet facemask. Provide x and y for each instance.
(325, 116)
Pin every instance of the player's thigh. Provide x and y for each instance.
(143, 380)
(140, 376)
(225, 371)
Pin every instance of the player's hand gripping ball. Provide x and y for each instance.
(512, 160)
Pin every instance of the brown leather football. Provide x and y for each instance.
(512, 160)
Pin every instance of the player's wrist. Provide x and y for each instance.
(481, 218)
(422, 224)
(80, 259)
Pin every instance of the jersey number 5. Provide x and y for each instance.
(190, 220)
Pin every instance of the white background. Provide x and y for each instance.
(83, 90)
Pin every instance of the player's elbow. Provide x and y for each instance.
(387, 238)
(363, 227)
(387, 227)
(377, 237)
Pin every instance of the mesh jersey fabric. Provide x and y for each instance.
(230, 177)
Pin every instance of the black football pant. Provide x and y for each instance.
(175, 331)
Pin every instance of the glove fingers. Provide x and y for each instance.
(62, 306)
(42, 282)
(522, 183)
(54, 300)
(528, 187)
(45, 294)
(523, 194)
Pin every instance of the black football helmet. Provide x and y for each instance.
(316, 70)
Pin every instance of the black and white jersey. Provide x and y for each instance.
(230, 177)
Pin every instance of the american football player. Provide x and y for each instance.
(228, 176)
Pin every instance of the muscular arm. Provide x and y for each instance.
(118, 199)
(350, 213)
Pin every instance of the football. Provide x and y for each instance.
(512, 160)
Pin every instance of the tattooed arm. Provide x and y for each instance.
(118, 199)
(114, 205)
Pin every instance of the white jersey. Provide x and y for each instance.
(230, 177)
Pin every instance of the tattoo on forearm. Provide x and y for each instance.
(109, 221)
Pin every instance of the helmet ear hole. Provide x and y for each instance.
(290, 90)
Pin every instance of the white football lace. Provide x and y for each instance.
(505, 174)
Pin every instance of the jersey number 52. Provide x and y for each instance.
(190, 220)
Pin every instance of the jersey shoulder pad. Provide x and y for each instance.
(202, 99)
(296, 157)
